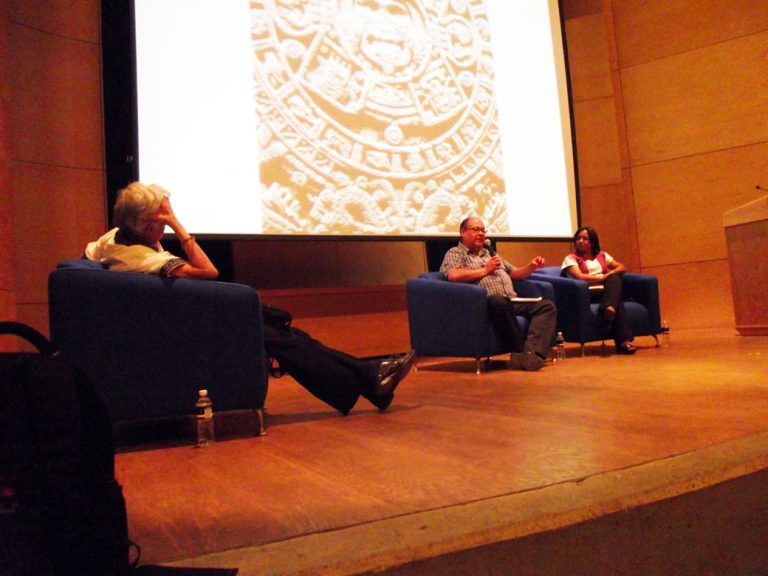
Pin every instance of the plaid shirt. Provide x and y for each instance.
(497, 282)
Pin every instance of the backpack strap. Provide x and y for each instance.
(30, 335)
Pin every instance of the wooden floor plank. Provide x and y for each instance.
(451, 437)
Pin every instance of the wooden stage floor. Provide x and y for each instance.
(453, 440)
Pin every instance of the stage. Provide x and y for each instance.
(648, 464)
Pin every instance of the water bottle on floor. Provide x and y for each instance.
(664, 334)
(205, 436)
(559, 347)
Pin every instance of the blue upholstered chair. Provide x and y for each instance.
(150, 343)
(451, 318)
(579, 319)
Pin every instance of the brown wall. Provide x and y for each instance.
(671, 109)
(671, 103)
(7, 276)
(55, 144)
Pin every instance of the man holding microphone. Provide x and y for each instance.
(473, 261)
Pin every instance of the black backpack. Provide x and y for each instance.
(62, 512)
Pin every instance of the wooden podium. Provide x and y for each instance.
(746, 233)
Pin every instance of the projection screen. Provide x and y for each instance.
(356, 117)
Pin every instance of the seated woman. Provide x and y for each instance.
(603, 274)
(141, 214)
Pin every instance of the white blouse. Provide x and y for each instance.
(132, 258)
(593, 266)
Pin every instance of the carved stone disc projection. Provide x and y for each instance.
(376, 116)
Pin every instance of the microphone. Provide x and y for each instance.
(761, 188)
(487, 245)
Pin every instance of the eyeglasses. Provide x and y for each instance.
(476, 229)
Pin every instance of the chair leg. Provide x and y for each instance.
(583, 352)
(261, 428)
(658, 343)
(477, 365)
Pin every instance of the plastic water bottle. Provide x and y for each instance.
(559, 347)
(205, 436)
(664, 334)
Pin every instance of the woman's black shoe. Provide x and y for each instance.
(626, 349)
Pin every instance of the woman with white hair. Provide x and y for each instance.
(141, 214)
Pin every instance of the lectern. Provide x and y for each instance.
(746, 233)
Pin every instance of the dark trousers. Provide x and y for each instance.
(334, 377)
(611, 296)
(541, 316)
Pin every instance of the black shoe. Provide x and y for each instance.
(391, 373)
(527, 361)
(626, 349)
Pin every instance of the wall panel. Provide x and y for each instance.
(274, 264)
(608, 210)
(7, 306)
(57, 211)
(690, 111)
(748, 264)
(605, 189)
(311, 264)
(69, 18)
(7, 261)
(588, 60)
(520, 253)
(695, 295)
(680, 203)
(7, 273)
(621, 123)
(652, 29)
(278, 264)
(56, 152)
(56, 107)
(380, 263)
(706, 99)
(34, 314)
(597, 144)
(580, 8)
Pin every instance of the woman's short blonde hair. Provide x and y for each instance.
(135, 203)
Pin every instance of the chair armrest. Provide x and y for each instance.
(644, 289)
(149, 343)
(81, 263)
(441, 315)
(571, 297)
(531, 288)
(568, 290)
(436, 299)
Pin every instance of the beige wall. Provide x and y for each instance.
(55, 151)
(671, 109)
(677, 94)
(605, 185)
(7, 276)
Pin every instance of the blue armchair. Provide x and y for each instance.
(579, 319)
(149, 343)
(451, 318)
